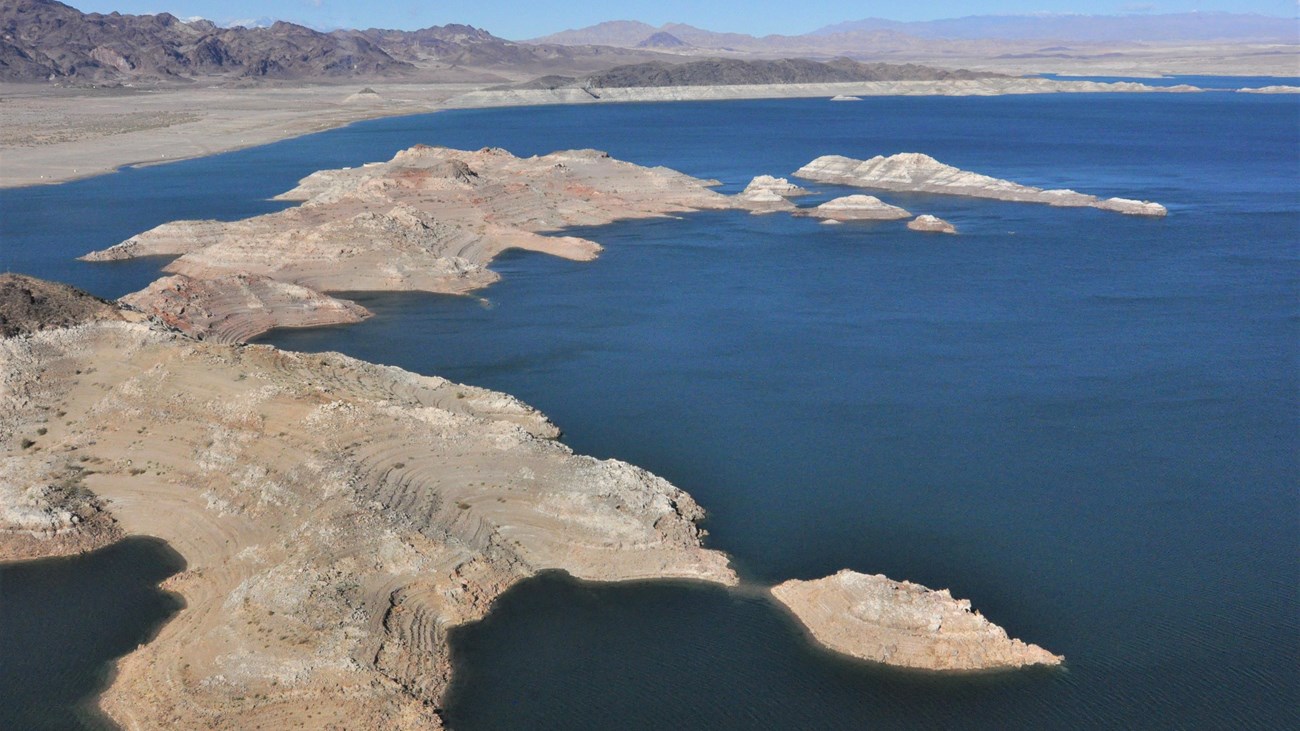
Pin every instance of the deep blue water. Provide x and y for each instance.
(1086, 423)
(63, 619)
(1204, 82)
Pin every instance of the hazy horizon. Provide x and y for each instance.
(753, 17)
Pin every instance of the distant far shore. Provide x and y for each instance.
(54, 135)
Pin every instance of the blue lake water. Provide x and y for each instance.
(1085, 423)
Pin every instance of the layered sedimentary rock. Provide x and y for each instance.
(338, 518)
(931, 224)
(855, 208)
(766, 194)
(430, 219)
(235, 307)
(917, 173)
(904, 624)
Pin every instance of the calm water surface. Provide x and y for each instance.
(62, 620)
(1086, 423)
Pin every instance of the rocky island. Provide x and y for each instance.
(913, 172)
(855, 208)
(931, 224)
(903, 624)
(767, 194)
(430, 219)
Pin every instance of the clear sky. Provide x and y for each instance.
(520, 19)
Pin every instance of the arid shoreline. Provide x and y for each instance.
(54, 135)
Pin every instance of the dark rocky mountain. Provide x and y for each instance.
(863, 37)
(730, 71)
(663, 40)
(28, 305)
(1079, 28)
(45, 40)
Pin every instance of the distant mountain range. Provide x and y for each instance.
(1165, 28)
(45, 40)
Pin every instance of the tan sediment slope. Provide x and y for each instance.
(51, 134)
(430, 219)
(337, 517)
(234, 307)
(903, 624)
(43, 509)
(967, 87)
(917, 173)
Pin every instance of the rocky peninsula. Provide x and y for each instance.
(337, 517)
(913, 172)
(430, 219)
(904, 624)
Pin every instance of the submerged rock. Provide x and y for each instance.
(904, 624)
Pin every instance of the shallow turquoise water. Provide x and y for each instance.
(1083, 422)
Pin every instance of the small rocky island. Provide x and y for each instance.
(856, 207)
(904, 624)
(913, 172)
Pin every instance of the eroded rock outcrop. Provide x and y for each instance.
(903, 624)
(235, 307)
(766, 194)
(338, 518)
(28, 305)
(917, 173)
(931, 224)
(430, 219)
(855, 208)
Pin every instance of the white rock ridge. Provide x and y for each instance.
(904, 624)
(914, 172)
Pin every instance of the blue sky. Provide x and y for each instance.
(518, 20)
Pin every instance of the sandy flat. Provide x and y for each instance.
(52, 135)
